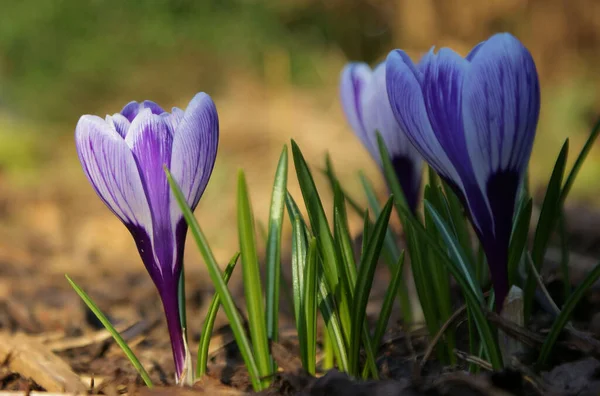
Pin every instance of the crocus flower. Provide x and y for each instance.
(365, 101)
(124, 156)
(473, 120)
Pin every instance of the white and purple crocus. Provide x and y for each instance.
(473, 120)
(124, 156)
(367, 107)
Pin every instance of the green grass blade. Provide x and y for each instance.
(273, 251)
(564, 254)
(235, 320)
(562, 319)
(390, 249)
(365, 282)
(518, 241)
(299, 254)
(332, 178)
(342, 236)
(310, 307)
(113, 332)
(386, 307)
(547, 221)
(251, 278)
(570, 180)
(471, 291)
(334, 326)
(332, 266)
(209, 321)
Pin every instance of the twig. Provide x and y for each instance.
(474, 359)
(436, 338)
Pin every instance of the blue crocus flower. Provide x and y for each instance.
(123, 157)
(367, 107)
(473, 120)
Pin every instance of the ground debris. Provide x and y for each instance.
(581, 377)
(29, 358)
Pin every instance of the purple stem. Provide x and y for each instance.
(171, 307)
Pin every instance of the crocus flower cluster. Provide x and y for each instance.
(124, 156)
(473, 119)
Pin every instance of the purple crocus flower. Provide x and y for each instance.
(124, 156)
(473, 120)
(367, 107)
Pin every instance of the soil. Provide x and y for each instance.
(49, 341)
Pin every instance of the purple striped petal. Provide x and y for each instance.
(119, 123)
(403, 82)
(132, 109)
(353, 81)
(109, 165)
(501, 107)
(195, 149)
(151, 142)
(378, 117)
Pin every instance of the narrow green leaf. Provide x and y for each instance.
(579, 162)
(564, 254)
(562, 319)
(547, 221)
(251, 278)
(342, 236)
(181, 301)
(332, 266)
(273, 252)
(386, 307)
(310, 307)
(113, 332)
(364, 283)
(235, 320)
(332, 178)
(518, 241)
(472, 293)
(209, 321)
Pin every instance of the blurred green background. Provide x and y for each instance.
(272, 68)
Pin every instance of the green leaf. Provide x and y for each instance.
(332, 178)
(251, 278)
(390, 250)
(469, 287)
(547, 221)
(273, 252)
(579, 162)
(332, 266)
(310, 307)
(562, 319)
(365, 282)
(235, 320)
(518, 241)
(209, 321)
(113, 332)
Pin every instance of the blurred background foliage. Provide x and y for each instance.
(272, 68)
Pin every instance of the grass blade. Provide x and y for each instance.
(518, 241)
(299, 254)
(273, 252)
(562, 319)
(459, 268)
(235, 320)
(251, 278)
(209, 321)
(548, 215)
(364, 283)
(113, 332)
(332, 178)
(310, 307)
(579, 162)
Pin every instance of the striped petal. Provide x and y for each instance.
(355, 78)
(151, 142)
(403, 82)
(501, 107)
(119, 123)
(379, 117)
(132, 109)
(195, 149)
(111, 168)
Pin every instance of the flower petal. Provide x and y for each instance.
(501, 104)
(120, 123)
(151, 142)
(353, 81)
(195, 149)
(109, 165)
(132, 109)
(403, 82)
